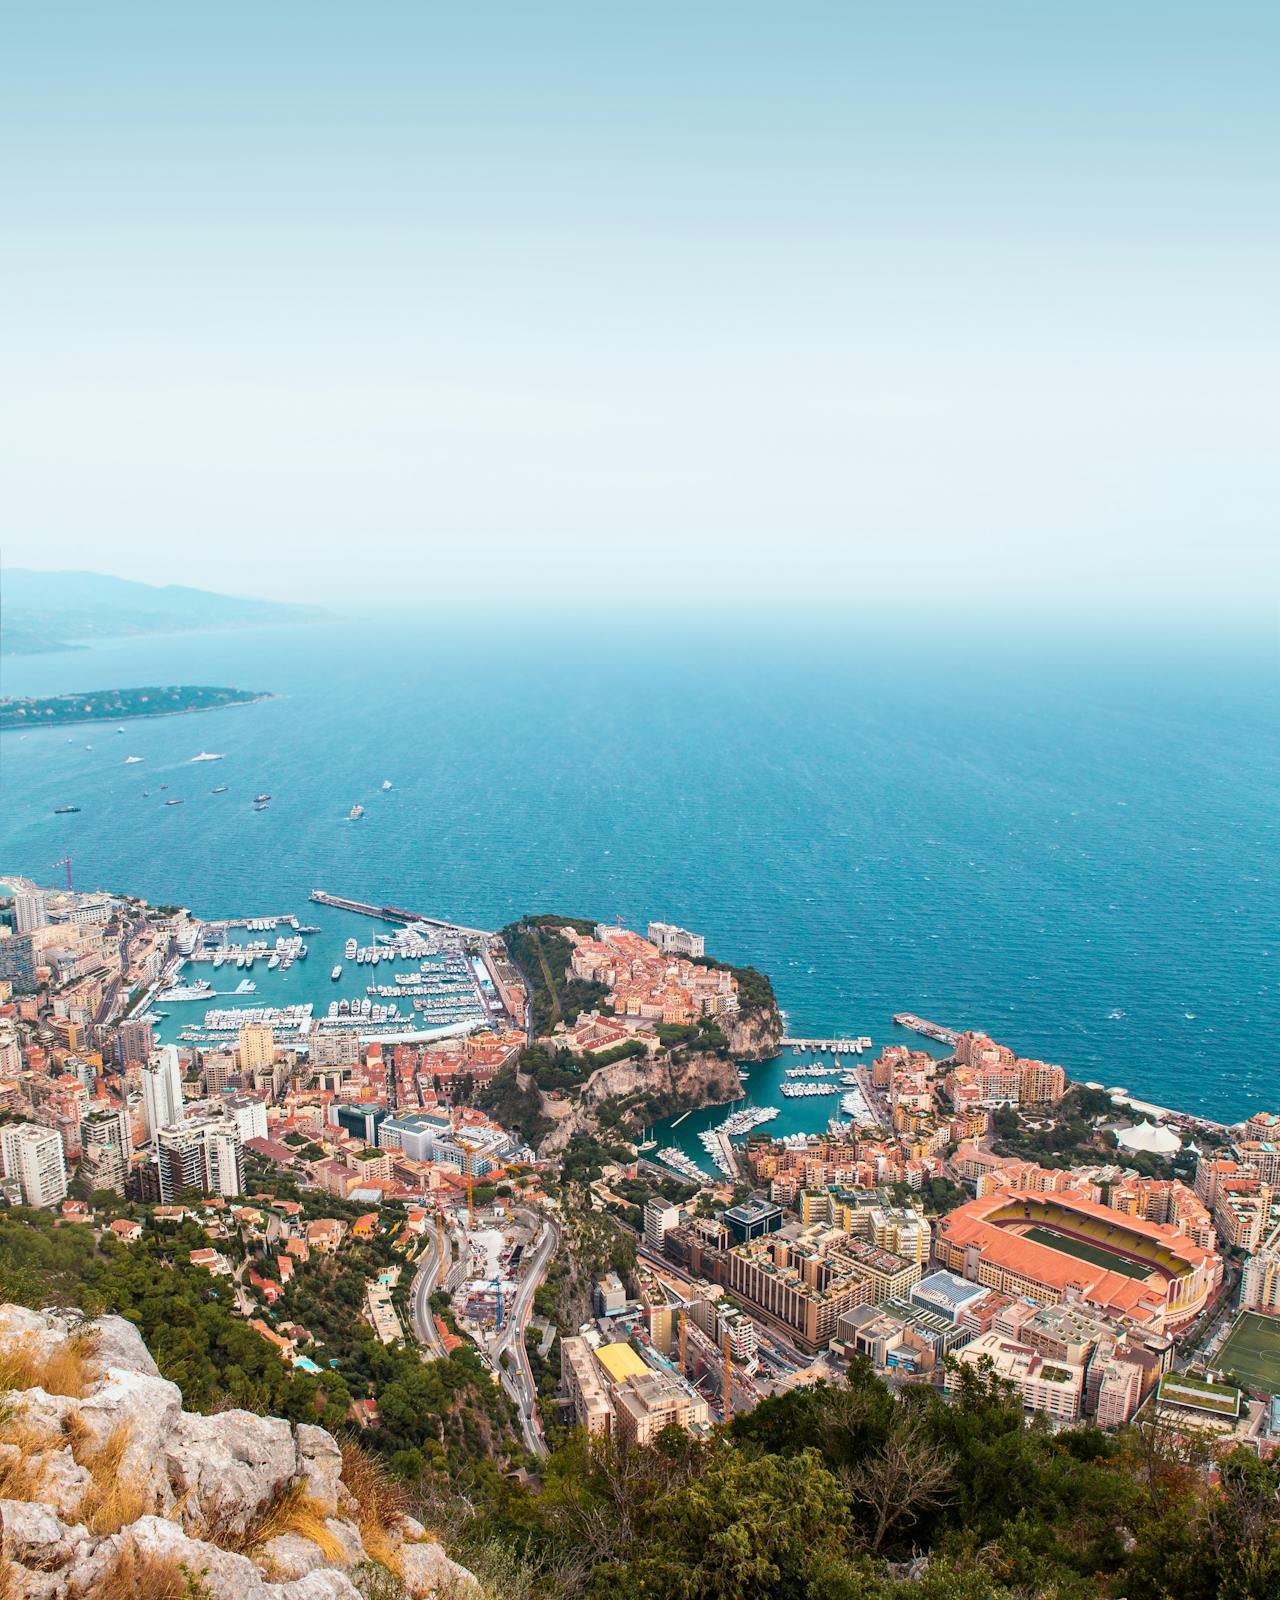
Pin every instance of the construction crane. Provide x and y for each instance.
(468, 1152)
(65, 862)
(728, 1380)
(684, 1344)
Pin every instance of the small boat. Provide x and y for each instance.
(261, 805)
(386, 784)
(335, 974)
(173, 802)
(131, 761)
(63, 811)
(355, 813)
(206, 755)
(261, 799)
(146, 794)
(221, 789)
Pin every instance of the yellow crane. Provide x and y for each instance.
(468, 1151)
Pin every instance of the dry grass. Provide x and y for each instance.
(8, 1577)
(140, 1575)
(66, 1369)
(292, 1509)
(114, 1498)
(381, 1502)
(22, 1464)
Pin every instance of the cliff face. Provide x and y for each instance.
(755, 1037)
(682, 1081)
(108, 1486)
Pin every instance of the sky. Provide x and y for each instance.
(966, 308)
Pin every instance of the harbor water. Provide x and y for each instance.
(1070, 846)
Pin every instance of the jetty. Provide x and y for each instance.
(836, 1046)
(396, 914)
(929, 1030)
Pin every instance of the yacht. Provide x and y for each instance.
(335, 974)
(132, 761)
(221, 789)
(356, 812)
(349, 950)
(207, 755)
(386, 784)
(173, 802)
(261, 799)
(64, 811)
(273, 962)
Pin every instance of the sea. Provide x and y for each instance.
(1068, 841)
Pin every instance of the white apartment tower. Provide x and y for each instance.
(162, 1091)
(29, 910)
(33, 1156)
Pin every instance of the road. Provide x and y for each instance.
(424, 1286)
(516, 1375)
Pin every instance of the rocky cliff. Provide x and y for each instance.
(108, 1488)
(755, 1036)
(679, 1080)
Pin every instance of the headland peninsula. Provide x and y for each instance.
(115, 705)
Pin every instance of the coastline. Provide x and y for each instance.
(134, 716)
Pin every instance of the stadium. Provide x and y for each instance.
(1065, 1246)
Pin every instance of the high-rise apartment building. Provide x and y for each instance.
(18, 962)
(106, 1145)
(204, 1153)
(33, 1157)
(29, 910)
(135, 1041)
(659, 1219)
(257, 1047)
(162, 1091)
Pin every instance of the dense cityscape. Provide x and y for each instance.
(480, 1179)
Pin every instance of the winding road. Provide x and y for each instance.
(516, 1375)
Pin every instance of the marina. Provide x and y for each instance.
(413, 980)
(799, 1117)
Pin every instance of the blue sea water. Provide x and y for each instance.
(1071, 844)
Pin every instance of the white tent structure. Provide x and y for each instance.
(1146, 1136)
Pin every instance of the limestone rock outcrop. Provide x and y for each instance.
(103, 1475)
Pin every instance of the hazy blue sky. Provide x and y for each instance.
(785, 302)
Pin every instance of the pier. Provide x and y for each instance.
(395, 914)
(929, 1030)
(837, 1046)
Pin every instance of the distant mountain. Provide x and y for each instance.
(63, 610)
